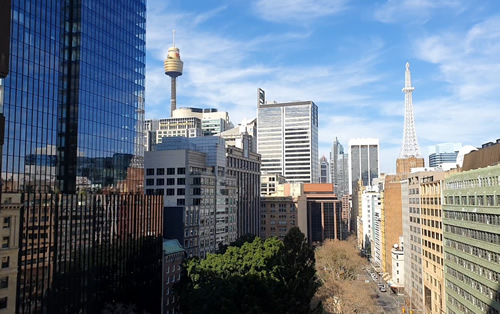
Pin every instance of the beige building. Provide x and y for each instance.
(269, 183)
(431, 185)
(9, 251)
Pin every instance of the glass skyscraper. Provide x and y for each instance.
(287, 139)
(363, 161)
(73, 153)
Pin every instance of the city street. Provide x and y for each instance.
(388, 301)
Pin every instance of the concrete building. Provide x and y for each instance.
(472, 235)
(200, 196)
(443, 153)
(412, 237)
(370, 204)
(316, 211)
(431, 184)
(9, 251)
(269, 183)
(324, 172)
(243, 135)
(173, 255)
(287, 137)
(392, 215)
(157, 129)
(363, 161)
(244, 165)
(339, 165)
(396, 283)
(212, 121)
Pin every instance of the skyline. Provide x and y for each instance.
(346, 56)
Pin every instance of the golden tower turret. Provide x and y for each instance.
(173, 68)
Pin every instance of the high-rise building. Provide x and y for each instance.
(443, 153)
(324, 171)
(73, 160)
(339, 165)
(213, 121)
(363, 161)
(287, 137)
(471, 234)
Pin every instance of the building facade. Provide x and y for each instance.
(269, 183)
(324, 170)
(363, 161)
(287, 137)
(471, 233)
(173, 256)
(73, 155)
(339, 165)
(443, 153)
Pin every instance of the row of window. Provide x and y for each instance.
(473, 200)
(493, 257)
(161, 171)
(488, 219)
(161, 181)
(472, 183)
(432, 223)
(432, 234)
(473, 267)
(432, 212)
(466, 295)
(474, 284)
(243, 164)
(474, 234)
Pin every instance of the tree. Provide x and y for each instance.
(256, 277)
(338, 264)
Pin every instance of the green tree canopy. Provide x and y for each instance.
(257, 277)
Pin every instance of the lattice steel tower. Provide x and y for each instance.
(410, 143)
(173, 68)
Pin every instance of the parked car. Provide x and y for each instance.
(383, 289)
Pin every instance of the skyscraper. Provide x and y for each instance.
(339, 164)
(324, 170)
(287, 137)
(363, 161)
(73, 158)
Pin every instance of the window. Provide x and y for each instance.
(4, 282)
(5, 261)
(160, 191)
(6, 222)
(150, 171)
(3, 303)
(181, 170)
(196, 191)
(181, 191)
(181, 181)
(181, 202)
(170, 171)
(160, 171)
(170, 191)
(171, 181)
(5, 242)
(150, 181)
(160, 181)
(150, 191)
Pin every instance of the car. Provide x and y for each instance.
(383, 289)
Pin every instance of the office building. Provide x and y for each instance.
(287, 137)
(363, 161)
(445, 153)
(243, 135)
(269, 183)
(244, 165)
(200, 196)
(212, 121)
(370, 200)
(431, 186)
(471, 233)
(339, 165)
(412, 237)
(398, 259)
(279, 214)
(173, 256)
(73, 157)
(324, 171)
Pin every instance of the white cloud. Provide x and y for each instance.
(293, 11)
(413, 11)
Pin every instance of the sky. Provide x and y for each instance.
(348, 56)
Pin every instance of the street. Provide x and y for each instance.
(388, 301)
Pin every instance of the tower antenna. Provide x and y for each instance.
(410, 143)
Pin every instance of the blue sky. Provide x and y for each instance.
(348, 56)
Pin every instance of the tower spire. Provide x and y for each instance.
(410, 143)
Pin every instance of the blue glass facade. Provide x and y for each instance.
(73, 152)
